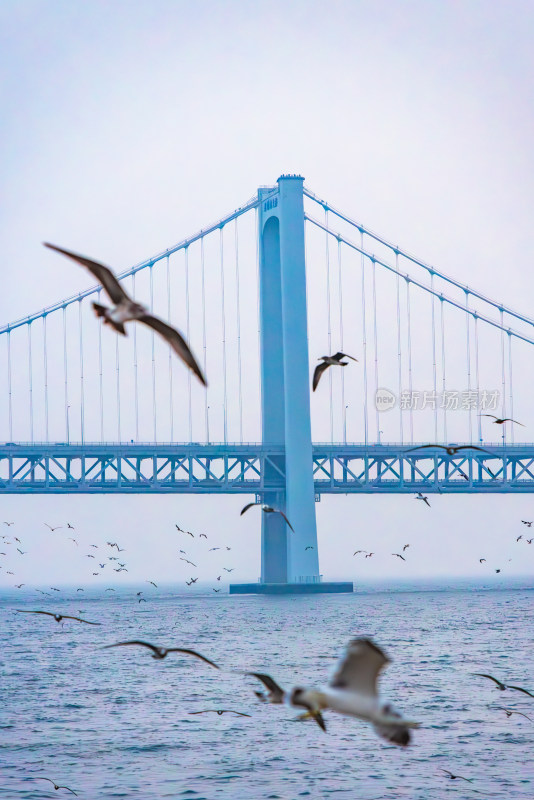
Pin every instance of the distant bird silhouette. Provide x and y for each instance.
(9, 524)
(188, 562)
(219, 578)
(89, 555)
(96, 573)
(139, 593)
(80, 590)
(161, 652)
(499, 421)
(422, 497)
(211, 549)
(228, 570)
(71, 526)
(369, 555)
(141, 600)
(57, 528)
(451, 449)
(358, 551)
(405, 547)
(109, 590)
(526, 522)
(193, 580)
(329, 361)
(266, 510)
(22, 552)
(220, 711)
(73, 540)
(309, 548)
(101, 566)
(518, 538)
(153, 584)
(57, 617)
(529, 541)
(502, 686)
(509, 712)
(56, 786)
(481, 560)
(127, 310)
(454, 777)
(216, 590)
(497, 570)
(202, 536)
(398, 556)
(19, 585)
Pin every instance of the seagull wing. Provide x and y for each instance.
(423, 446)
(176, 341)
(492, 416)
(193, 653)
(344, 355)
(79, 619)
(520, 689)
(318, 371)
(483, 675)
(152, 647)
(509, 419)
(24, 611)
(102, 273)
(471, 447)
(276, 692)
(359, 668)
(286, 519)
(68, 790)
(245, 508)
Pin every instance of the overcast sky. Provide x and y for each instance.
(127, 126)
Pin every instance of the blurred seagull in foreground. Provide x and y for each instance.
(127, 310)
(329, 361)
(267, 510)
(352, 691)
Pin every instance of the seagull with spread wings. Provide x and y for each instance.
(502, 420)
(127, 310)
(267, 510)
(57, 617)
(352, 691)
(56, 786)
(161, 652)
(329, 361)
(450, 449)
(500, 685)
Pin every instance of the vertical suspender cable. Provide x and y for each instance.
(204, 351)
(434, 369)
(468, 356)
(171, 403)
(399, 347)
(154, 414)
(375, 337)
(82, 391)
(188, 337)
(477, 371)
(410, 375)
(503, 379)
(136, 394)
(340, 292)
(30, 378)
(118, 383)
(238, 303)
(364, 346)
(100, 376)
(225, 419)
(66, 374)
(510, 392)
(9, 387)
(329, 322)
(443, 377)
(45, 367)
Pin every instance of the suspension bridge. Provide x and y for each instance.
(281, 281)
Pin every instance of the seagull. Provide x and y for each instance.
(210, 550)
(102, 566)
(369, 555)
(127, 310)
(16, 539)
(481, 560)
(109, 590)
(139, 593)
(420, 496)
(219, 578)
(454, 777)
(22, 552)
(509, 712)
(94, 545)
(451, 449)
(141, 600)
(398, 556)
(220, 711)
(502, 686)
(497, 570)
(19, 585)
(89, 555)
(526, 522)
(499, 421)
(80, 590)
(358, 551)
(56, 786)
(518, 538)
(352, 690)
(309, 548)
(405, 547)
(161, 652)
(188, 562)
(58, 617)
(216, 590)
(57, 528)
(228, 570)
(529, 541)
(267, 510)
(73, 540)
(275, 694)
(193, 580)
(153, 584)
(329, 361)
(202, 536)
(71, 526)
(96, 573)
(9, 524)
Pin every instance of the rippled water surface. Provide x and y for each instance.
(117, 723)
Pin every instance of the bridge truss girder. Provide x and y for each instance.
(257, 469)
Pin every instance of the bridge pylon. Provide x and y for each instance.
(289, 559)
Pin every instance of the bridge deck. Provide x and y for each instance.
(241, 468)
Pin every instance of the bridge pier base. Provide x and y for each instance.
(341, 587)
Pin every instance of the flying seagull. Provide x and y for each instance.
(71, 526)
(502, 686)
(518, 538)
(153, 584)
(406, 546)
(210, 550)
(352, 690)
(398, 556)
(267, 510)
(57, 528)
(451, 449)
(57, 617)
(481, 560)
(499, 421)
(358, 551)
(125, 310)
(161, 652)
(188, 562)
(454, 777)
(527, 523)
(422, 497)
(56, 786)
(509, 712)
(329, 361)
(202, 536)
(9, 524)
(220, 711)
